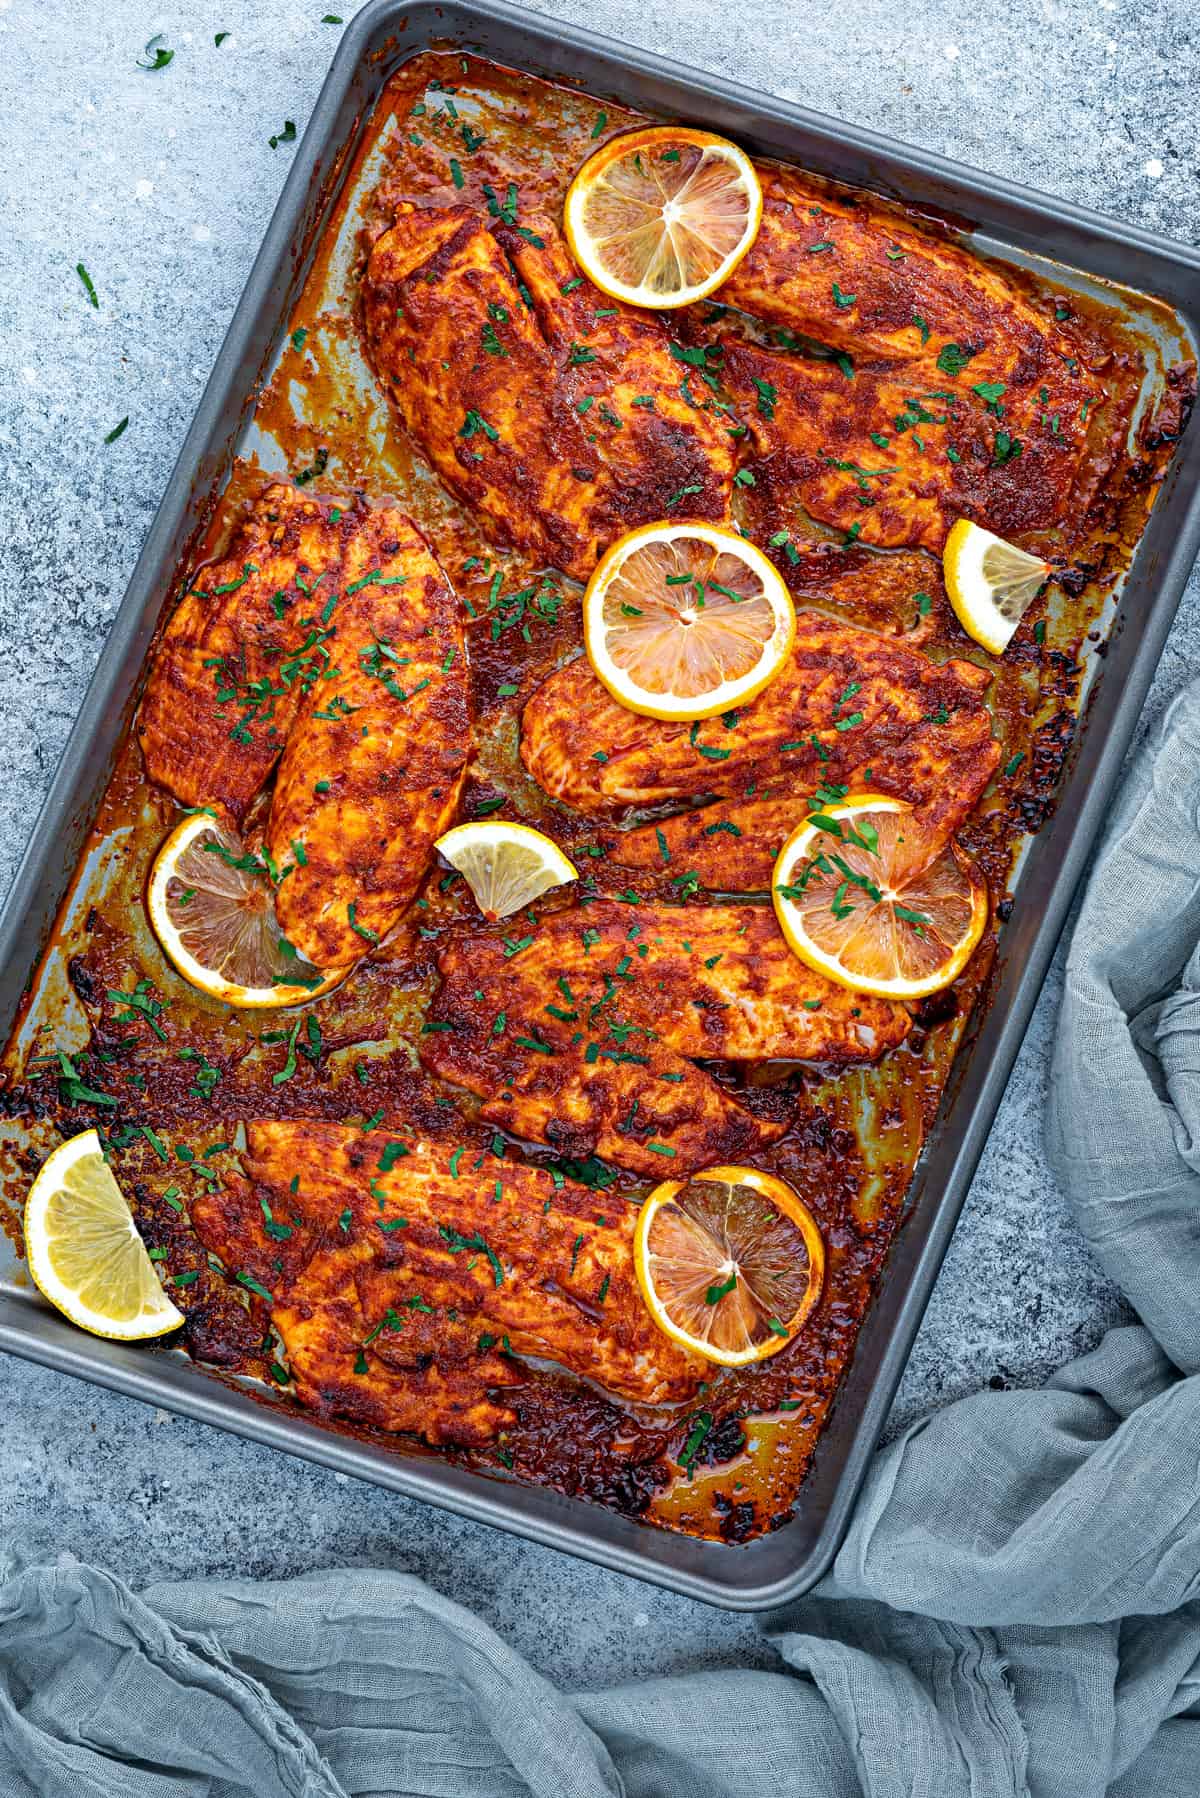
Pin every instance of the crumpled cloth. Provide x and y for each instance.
(1016, 1609)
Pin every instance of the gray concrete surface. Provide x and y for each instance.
(161, 184)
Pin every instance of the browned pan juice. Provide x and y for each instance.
(178, 1081)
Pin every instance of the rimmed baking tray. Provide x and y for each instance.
(783, 1564)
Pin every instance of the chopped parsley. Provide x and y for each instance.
(1005, 449)
(474, 421)
(458, 1243)
(953, 358)
(369, 936)
(991, 392)
(701, 1426)
(73, 1090)
(768, 397)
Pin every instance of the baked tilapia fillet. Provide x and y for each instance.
(852, 708)
(568, 419)
(411, 1281)
(324, 649)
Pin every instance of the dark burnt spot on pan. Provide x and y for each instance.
(739, 1518)
(724, 1442)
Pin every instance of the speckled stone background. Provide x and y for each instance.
(162, 184)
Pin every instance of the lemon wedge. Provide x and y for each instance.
(991, 583)
(84, 1251)
(505, 865)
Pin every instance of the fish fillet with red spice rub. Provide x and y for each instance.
(563, 423)
(586, 1038)
(375, 760)
(393, 1268)
(239, 651)
(985, 403)
(846, 700)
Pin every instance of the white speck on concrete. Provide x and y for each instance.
(144, 189)
(951, 52)
(1154, 169)
(201, 233)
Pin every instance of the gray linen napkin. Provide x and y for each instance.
(1015, 1611)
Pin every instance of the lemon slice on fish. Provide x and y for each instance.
(730, 1263)
(991, 583)
(211, 902)
(686, 620)
(84, 1250)
(661, 216)
(864, 897)
(505, 865)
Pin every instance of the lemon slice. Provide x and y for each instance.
(686, 620)
(662, 216)
(991, 583)
(212, 905)
(730, 1263)
(505, 865)
(84, 1250)
(864, 897)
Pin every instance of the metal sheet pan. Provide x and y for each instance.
(1019, 223)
